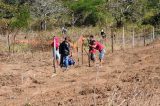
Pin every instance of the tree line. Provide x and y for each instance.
(46, 14)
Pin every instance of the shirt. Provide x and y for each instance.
(99, 46)
(56, 39)
(91, 48)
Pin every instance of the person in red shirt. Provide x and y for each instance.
(100, 47)
(55, 50)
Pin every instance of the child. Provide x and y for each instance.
(92, 50)
(71, 61)
(100, 47)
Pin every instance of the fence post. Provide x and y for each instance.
(82, 51)
(112, 39)
(144, 37)
(89, 60)
(54, 60)
(144, 40)
(153, 37)
(89, 55)
(77, 53)
(123, 38)
(133, 41)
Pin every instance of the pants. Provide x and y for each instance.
(57, 54)
(101, 54)
(64, 61)
(92, 56)
(61, 60)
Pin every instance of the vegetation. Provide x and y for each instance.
(87, 12)
(45, 13)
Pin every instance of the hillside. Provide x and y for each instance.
(128, 78)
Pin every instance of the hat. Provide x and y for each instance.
(102, 30)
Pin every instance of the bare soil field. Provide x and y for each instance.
(128, 77)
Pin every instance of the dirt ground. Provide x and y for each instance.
(127, 78)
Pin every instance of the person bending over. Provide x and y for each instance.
(100, 47)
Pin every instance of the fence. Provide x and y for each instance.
(132, 38)
(123, 39)
(117, 39)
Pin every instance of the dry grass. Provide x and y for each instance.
(128, 78)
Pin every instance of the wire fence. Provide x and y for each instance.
(119, 40)
(131, 39)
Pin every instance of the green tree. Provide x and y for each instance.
(87, 12)
(13, 24)
(20, 21)
(125, 11)
(45, 9)
(152, 15)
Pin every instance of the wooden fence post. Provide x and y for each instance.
(89, 60)
(89, 56)
(54, 60)
(133, 40)
(153, 37)
(82, 51)
(77, 53)
(112, 44)
(144, 37)
(144, 40)
(123, 38)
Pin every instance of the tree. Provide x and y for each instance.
(44, 9)
(125, 11)
(18, 21)
(21, 20)
(87, 12)
(152, 15)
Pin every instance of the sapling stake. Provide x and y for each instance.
(54, 59)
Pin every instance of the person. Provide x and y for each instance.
(103, 39)
(64, 50)
(71, 61)
(103, 34)
(64, 30)
(92, 51)
(55, 50)
(100, 47)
